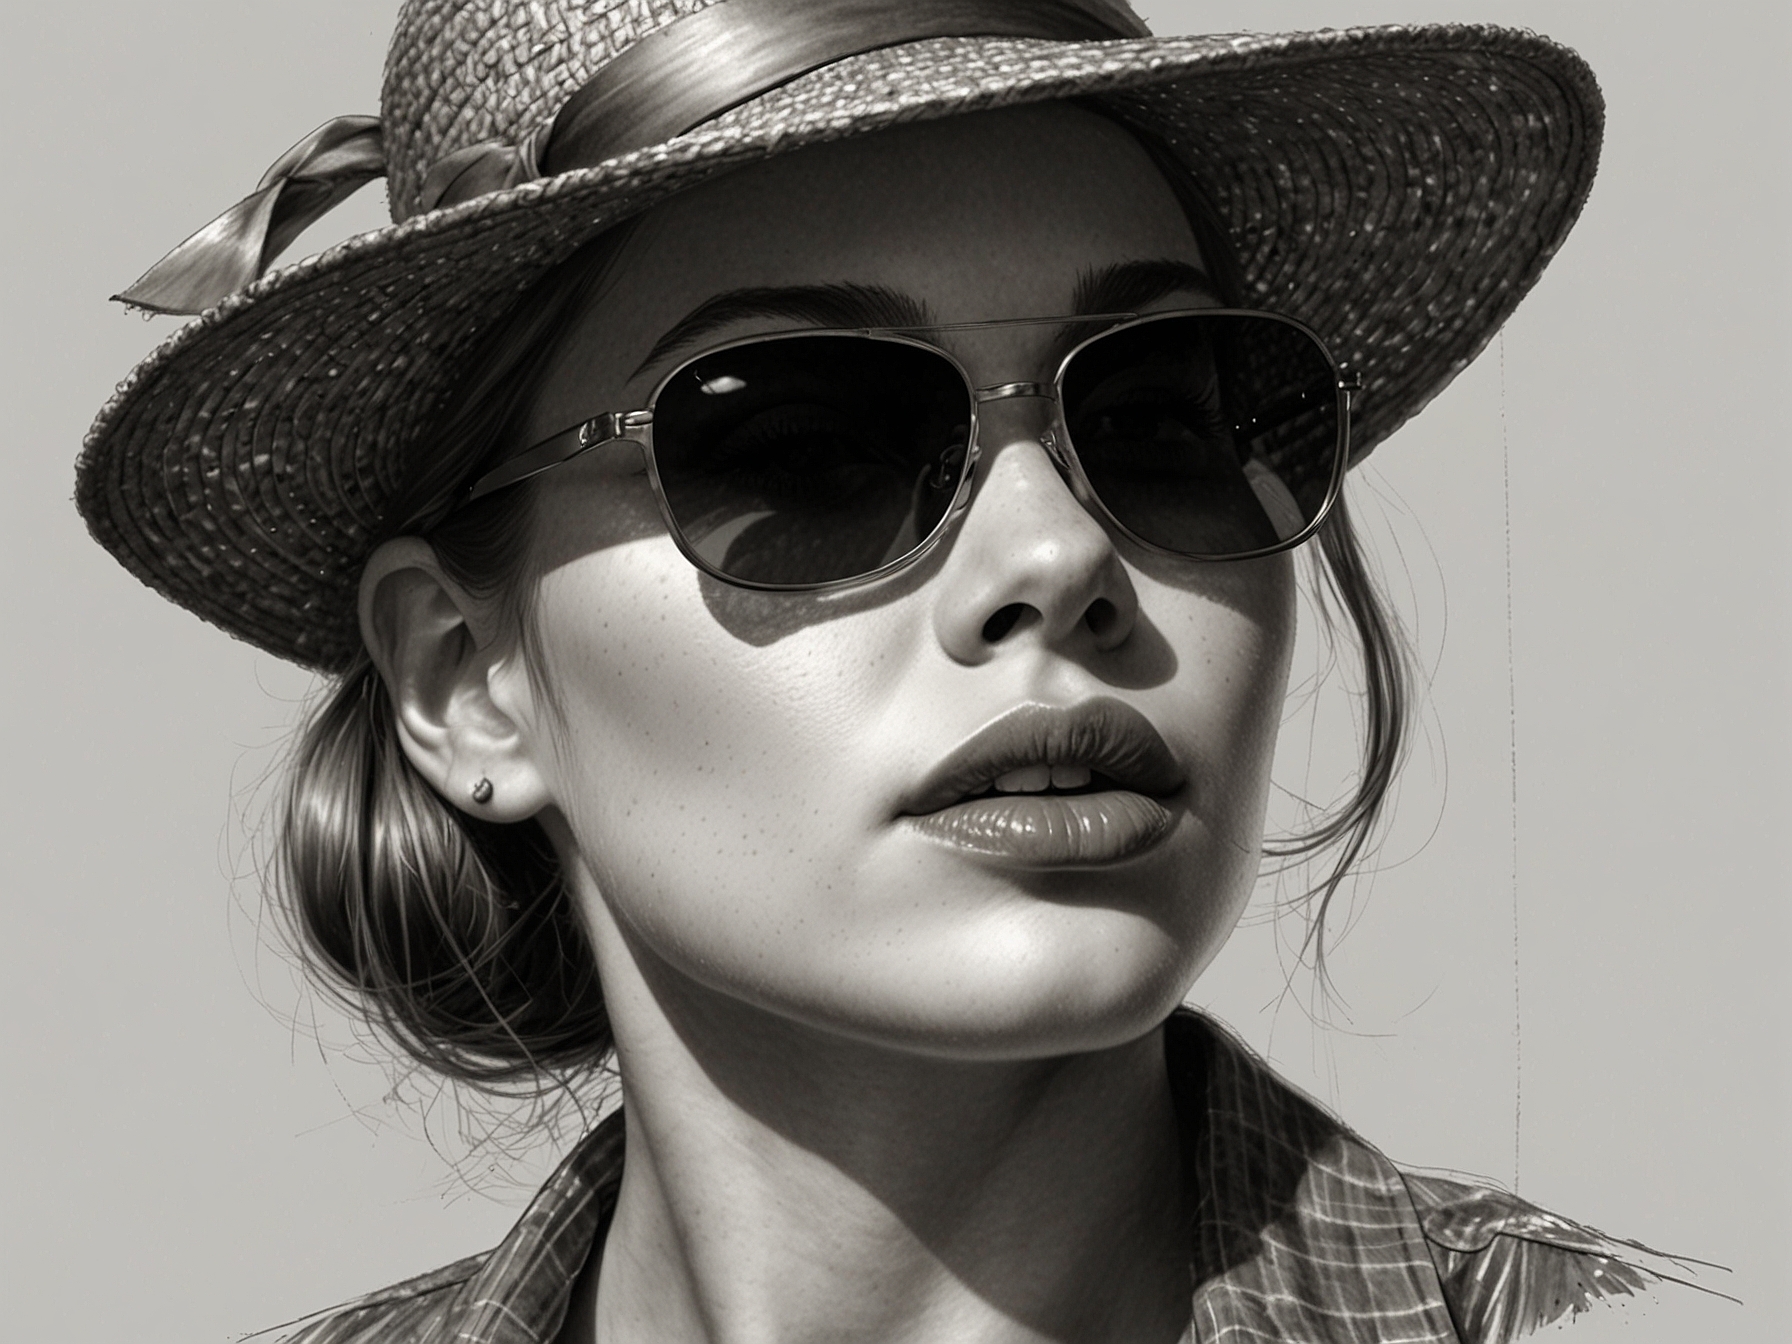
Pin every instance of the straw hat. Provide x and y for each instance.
(1398, 189)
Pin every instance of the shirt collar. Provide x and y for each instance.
(1301, 1234)
(1301, 1231)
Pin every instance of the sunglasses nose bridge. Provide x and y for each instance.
(1009, 391)
(1049, 438)
(1052, 437)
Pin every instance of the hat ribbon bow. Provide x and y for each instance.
(304, 184)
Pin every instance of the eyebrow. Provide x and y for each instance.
(1128, 287)
(842, 307)
(1124, 287)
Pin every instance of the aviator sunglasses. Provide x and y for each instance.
(817, 459)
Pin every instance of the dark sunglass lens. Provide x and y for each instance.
(1206, 434)
(810, 459)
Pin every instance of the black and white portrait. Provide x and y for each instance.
(834, 671)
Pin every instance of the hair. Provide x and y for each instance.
(458, 938)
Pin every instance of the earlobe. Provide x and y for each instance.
(437, 653)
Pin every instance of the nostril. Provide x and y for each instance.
(1101, 616)
(998, 627)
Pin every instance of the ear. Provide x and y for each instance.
(463, 704)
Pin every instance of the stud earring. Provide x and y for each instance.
(482, 791)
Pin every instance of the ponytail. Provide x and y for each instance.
(456, 936)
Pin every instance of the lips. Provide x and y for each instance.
(1121, 811)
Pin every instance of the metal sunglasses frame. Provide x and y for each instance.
(637, 427)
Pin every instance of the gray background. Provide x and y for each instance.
(197, 1149)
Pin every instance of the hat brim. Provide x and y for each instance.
(1397, 189)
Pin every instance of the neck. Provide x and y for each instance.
(786, 1184)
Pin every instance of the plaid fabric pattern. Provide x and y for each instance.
(1303, 1234)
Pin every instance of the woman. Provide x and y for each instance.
(801, 511)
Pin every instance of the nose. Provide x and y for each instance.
(1029, 563)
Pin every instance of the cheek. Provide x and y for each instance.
(1233, 637)
(1232, 631)
(708, 782)
(1230, 638)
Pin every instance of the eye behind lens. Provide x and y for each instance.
(1207, 434)
(826, 458)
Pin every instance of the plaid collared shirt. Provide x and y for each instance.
(1303, 1234)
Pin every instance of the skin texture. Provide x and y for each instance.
(878, 1087)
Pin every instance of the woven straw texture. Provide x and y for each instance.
(1397, 189)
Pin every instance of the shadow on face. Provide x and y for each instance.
(996, 216)
(605, 502)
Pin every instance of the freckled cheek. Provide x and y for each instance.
(1258, 686)
(686, 753)
(1232, 680)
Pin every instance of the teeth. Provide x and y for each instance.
(1027, 779)
(1070, 776)
(1039, 778)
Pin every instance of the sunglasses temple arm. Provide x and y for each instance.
(562, 447)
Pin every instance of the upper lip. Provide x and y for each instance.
(1108, 736)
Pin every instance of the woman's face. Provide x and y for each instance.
(764, 794)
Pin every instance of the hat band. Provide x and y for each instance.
(698, 67)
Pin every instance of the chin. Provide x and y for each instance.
(1053, 982)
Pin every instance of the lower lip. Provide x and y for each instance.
(1050, 830)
